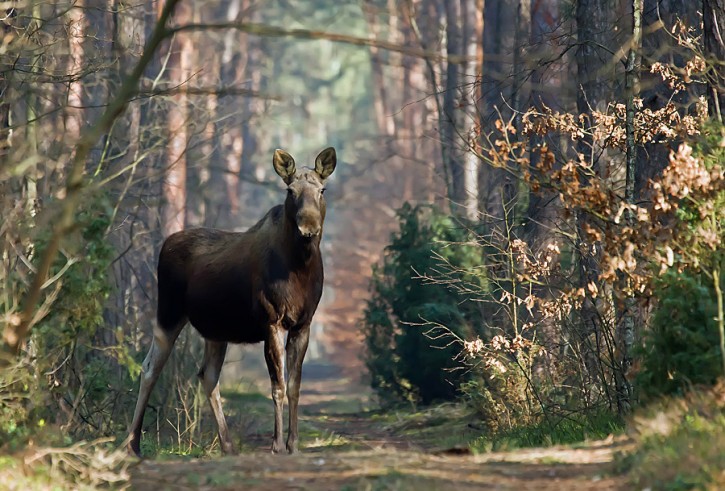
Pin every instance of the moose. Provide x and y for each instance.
(245, 287)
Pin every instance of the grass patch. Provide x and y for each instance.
(325, 440)
(435, 427)
(82, 466)
(680, 444)
(560, 431)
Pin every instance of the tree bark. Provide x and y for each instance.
(473, 37)
(73, 116)
(383, 114)
(626, 331)
(457, 121)
(594, 91)
(714, 33)
(491, 179)
(543, 208)
(447, 116)
(519, 93)
(179, 71)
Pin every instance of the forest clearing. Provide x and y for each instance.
(418, 244)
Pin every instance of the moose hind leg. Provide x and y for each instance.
(296, 348)
(273, 355)
(214, 353)
(161, 346)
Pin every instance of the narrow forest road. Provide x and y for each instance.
(376, 451)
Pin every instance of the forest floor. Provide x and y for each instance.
(345, 446)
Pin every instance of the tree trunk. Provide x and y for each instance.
(714, 33)
(73, 116)
(447, 116)
(5, 69)
(179, 70)
(473, 37)
(658, 45)
(458, 128)
(543, 208)
(519, 99)
(383, 114)
(595, 77)
(626, 331)
(491, 179)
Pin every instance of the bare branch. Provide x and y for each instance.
(274, 31)
(14, 335)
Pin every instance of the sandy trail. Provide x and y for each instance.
(360, 452)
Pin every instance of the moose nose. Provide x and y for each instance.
(308, 231)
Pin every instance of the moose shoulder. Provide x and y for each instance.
(246, 287)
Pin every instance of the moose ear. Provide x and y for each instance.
(325, 162)
(284, 165)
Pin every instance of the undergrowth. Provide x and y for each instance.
(553, 431)
(680, 443)
(82, 466)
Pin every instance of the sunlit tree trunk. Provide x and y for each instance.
(32, 103)
(714, 34)
(519, 99)
(383, 113)
(203, 116)
(626, 331)
(458, 123)
(232, 71)
(179, 71)
(5, 70)
(73, 113)
(472, 12)
(128, 37)
(447, 119)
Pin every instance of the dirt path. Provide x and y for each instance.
(553, 468)
(354, 450)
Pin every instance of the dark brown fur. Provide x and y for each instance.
(246, 287)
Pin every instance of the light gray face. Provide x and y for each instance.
(305, 203)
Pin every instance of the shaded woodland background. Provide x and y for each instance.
(534, 127)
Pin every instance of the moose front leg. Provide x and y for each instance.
(296, 348)
(273, 355)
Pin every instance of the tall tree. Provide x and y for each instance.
(626, 330)
(491, 179)
(595, 78)
(458, 117)
(713, 16)
(74, 107)
(179, 72)
(519, 99)
(472, 13)
(543, 208)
